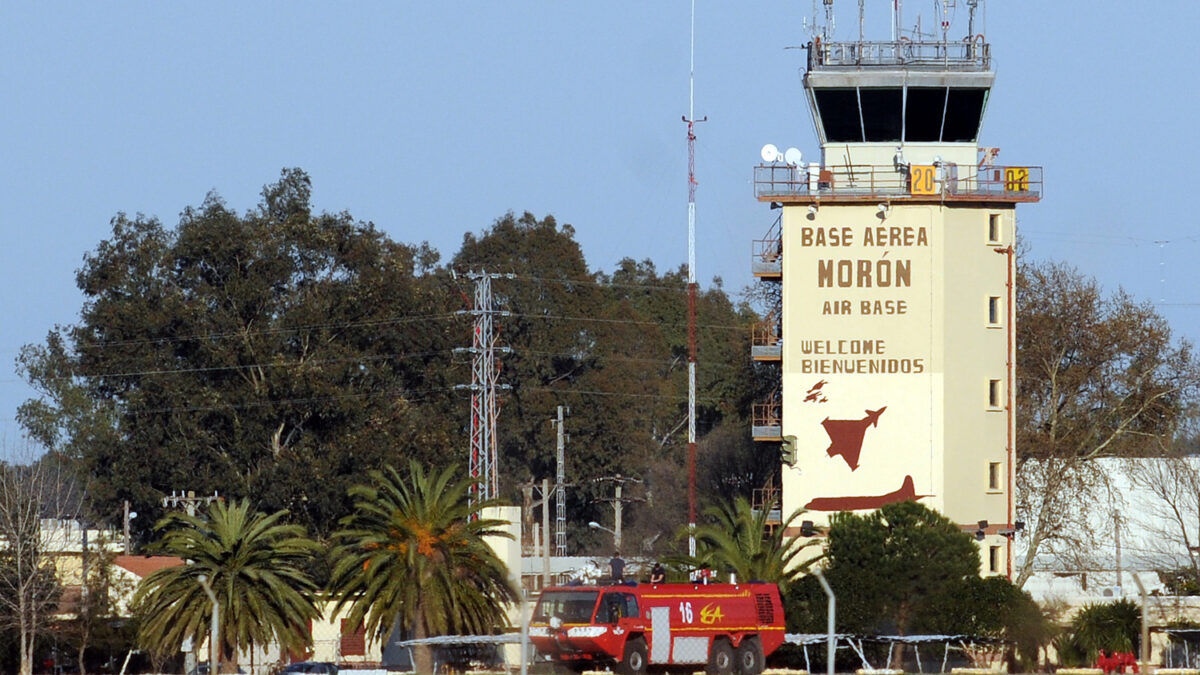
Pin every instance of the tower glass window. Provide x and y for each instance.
(881, 113)
(923, 112)
(994, 475)
(838, 109)
(995, 396)
(993, 310)
(964, 112)
(995, 228)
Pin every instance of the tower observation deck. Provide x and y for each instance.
(898, 120)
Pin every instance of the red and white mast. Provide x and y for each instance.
(691, 138)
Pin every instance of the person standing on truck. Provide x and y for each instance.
(617, 566)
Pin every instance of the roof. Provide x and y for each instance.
(143, 565)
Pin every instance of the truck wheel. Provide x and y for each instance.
(634, 662)
(750, 657)
(720, 659)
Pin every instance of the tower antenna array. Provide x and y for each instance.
(483, 387)
(691, 139)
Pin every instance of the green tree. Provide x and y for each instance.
(414, 554)
(613, 347)
(281, 354)
(1097, 376)
(887, 567)
(738, 537)
(1113, 627)
(255, 564)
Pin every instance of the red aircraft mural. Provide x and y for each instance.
(846, 436)
(907, 492)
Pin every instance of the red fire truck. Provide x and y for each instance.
(729, 628)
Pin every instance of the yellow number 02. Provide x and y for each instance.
(1016, 179)
(921, 179)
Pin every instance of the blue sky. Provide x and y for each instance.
(433, 119)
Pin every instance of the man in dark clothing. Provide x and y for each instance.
(617, 566)
(657, 574)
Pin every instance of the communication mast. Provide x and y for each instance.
(484, 384)
(691, 138)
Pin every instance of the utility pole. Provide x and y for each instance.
(618, 501)
(484, 411)
(188, 501)
(560, 487)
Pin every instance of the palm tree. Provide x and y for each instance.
(739, 538)
(255, 565)
(414, 554)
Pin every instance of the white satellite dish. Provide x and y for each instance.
(770, 153)
(793, 156)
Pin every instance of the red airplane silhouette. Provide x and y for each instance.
(907, 492)
(814, 393)
(846, 436)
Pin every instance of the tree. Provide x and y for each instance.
(1113, 627)
(613, 345)
(887, 567)
(1097, 376)
(414, 554)
(737, 537)
(1173, 484)
(255, 564)
(29, 590)
(281, 354)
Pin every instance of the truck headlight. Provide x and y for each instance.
(586, 631)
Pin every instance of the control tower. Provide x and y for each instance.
(895, 259)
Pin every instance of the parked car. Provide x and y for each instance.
(202, 669)
(311, 668)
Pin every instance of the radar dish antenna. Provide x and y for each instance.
(770, 153)
(793, 156)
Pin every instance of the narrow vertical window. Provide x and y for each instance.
(994, 559)
(994, 476)
(995, 394)
(993, 310)
(995, 228)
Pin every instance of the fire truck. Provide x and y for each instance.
(728, 628)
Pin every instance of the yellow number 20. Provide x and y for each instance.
(921, 179)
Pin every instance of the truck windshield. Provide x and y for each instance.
(570, 606)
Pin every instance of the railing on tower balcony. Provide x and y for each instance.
(971, 54)
(767, 253)
(766, 338)
(862, 181)
(768, 498)
(767, 419)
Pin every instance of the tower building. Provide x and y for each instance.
(895, 259)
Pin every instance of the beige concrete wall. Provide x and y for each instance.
(891, 313)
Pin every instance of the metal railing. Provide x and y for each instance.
(971, 54)
(949, 181)
(765, 333)
(770, 413)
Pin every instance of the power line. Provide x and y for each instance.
(269, 331)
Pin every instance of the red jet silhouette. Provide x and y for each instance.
(907, 492)
(846, 436)
(814, 393)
